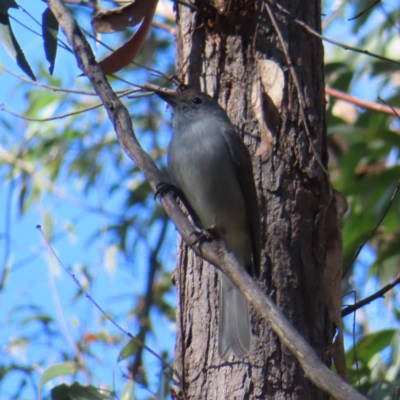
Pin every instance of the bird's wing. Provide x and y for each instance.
(244, 172)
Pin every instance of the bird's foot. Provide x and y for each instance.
(163, 188)
(201, 234)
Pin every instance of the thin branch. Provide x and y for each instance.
(395, 110)
(94, 302)
(61, 116)
(60, 42)
(214, 252)
(75, 91)
(54, 88)
(336, 43)
(368, 238)
(361, 103)
(65, 329)
(364, 11)
(380, 293)
(296, 81)
(144, 314)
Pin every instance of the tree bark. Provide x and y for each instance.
(222, 47)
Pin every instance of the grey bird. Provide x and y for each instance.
(212, 168)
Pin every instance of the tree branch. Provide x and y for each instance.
(214, 252)
(371, 235)
(380, 293)
(326, 39)
(362, 103)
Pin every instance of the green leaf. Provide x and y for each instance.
(12, 47)
(128, 350)
(67, 368)
(50, 29)
(48, 225)
(370, 345)
(6, 4)
(128, 392)
(77, 392)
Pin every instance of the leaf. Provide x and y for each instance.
(370, 345)
(128, 392)
(120, 18)
(50, 29)
(6, 4)
(48, 225)
(12, 47)
(128, 350)
(121, 57)
(67, 368)
(77, 392)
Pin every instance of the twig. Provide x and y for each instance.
(214, 252)
(364, 11)
(149, 296)
(336, 43)
(361, 103)
(396, 111)
(380, 293)
(60, 42)
(396, 189)
(94, 302)
(54, 88)
(61, 116)
(298, 86)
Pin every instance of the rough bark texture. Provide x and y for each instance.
(219, 49)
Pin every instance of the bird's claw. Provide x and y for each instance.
(163, 188)
(202, 235)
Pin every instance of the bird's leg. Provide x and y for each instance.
(206, 234)
(164, 187)
(201, 234)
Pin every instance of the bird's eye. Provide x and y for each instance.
(197, 101)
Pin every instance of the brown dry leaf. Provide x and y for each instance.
(266, 99)
(121, 57)
(120, 18)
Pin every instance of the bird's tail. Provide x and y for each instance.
(234, 330)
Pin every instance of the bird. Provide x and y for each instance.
(211, 167)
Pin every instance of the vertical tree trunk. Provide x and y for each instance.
(222, 48)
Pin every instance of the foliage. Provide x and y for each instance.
(71, 176)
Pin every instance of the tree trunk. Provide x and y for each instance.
(223, 47)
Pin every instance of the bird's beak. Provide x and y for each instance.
(170, 97)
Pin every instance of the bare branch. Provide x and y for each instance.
(362, 103)
(364, 11)
(94, 302)
(368, 238)
(61, 116)
(298, 86)
(215, 252)
(380, 293)
(336, 43)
